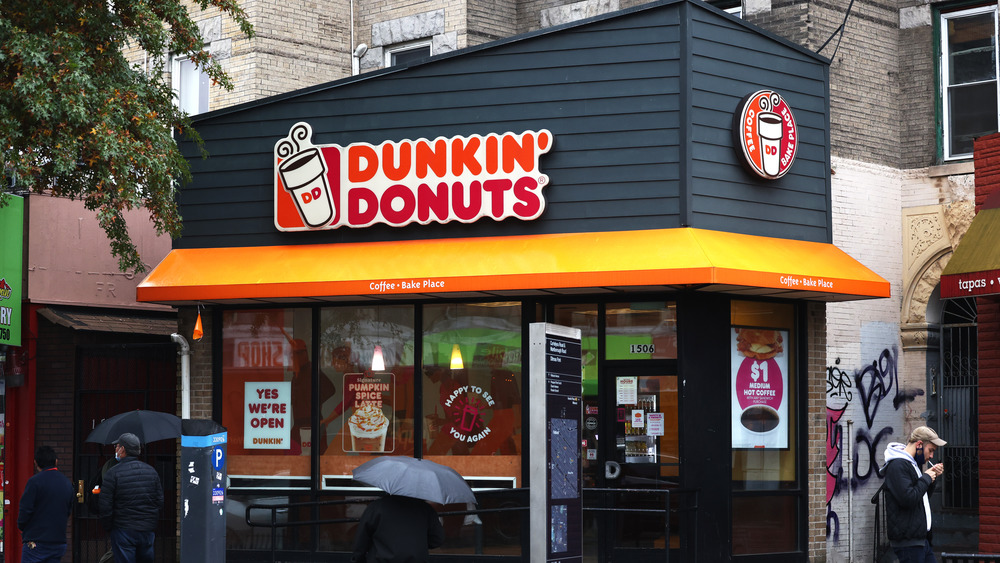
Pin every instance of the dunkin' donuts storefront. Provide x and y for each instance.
(367, 257)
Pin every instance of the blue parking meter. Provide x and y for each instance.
(203, 491)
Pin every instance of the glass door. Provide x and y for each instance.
(631, 446)
(641, 497)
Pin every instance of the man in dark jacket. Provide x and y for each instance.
(908, 509)
(130, 502)
(44, 510)
(397, 529)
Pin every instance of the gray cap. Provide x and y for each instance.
(925, 434)
(130, 442)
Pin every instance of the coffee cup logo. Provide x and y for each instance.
(765, 134)
(302, 171)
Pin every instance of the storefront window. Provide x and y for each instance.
(368, 409)
(641, 331)
(583, 317)
(472, 388)
(266, 390)
(764, 418)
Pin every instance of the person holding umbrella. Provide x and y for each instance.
(130, 502)
(401, 527)
(397, 529)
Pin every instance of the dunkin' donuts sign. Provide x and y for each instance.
(765, 134)
(461, 179)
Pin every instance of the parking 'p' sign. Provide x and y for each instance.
(218, 458)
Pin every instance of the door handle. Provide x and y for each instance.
(612, 470)
(79, 491)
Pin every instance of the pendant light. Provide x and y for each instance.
(378, 362)
(456, 358)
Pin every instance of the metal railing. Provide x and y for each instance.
(970, 558)
(687, 537)
(253, 517)
(272, 521)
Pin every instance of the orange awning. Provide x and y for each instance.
(508, 266)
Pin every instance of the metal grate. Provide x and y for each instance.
(959, 404)
(110, 380)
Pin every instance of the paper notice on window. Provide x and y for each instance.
(654, 424)
(627, 390)
(638, 418)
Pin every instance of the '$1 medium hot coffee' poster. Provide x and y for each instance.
(759, 388)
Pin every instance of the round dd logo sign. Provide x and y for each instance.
(765, 134)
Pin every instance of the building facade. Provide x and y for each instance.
(86, 351)
(444, 98)
(901, 196)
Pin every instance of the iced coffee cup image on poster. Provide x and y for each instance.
(759, 388)
(369, 412)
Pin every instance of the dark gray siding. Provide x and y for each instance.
(611, 91)
(729, 61)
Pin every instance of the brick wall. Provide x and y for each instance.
(989, 423)
(816, 464)
(56, 373)
(862, 337)
(864, 93)
(917, 79)
(201, 361)
(987, 159)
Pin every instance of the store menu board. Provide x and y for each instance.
(759, 388)
(556, 469)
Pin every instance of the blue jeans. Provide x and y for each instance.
(130, 546)
(915, 554)
(42, 552)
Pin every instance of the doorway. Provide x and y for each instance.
(111, 380)
(634, 505)
(638, 502)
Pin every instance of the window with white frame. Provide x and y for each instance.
(968, 78)
(190, 86)
(406, 53)
(734, 7)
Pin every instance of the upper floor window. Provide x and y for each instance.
(190, 85)
(734, 7)
(406, 53)
(968, 78)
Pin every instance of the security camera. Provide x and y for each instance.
(360, 50)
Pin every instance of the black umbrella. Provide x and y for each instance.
(149, 426)
(416, 478)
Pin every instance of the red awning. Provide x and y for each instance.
(974, 268)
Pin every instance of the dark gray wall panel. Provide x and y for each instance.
(729, 60)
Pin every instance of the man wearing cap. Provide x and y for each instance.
(130, 502)
(908, 508)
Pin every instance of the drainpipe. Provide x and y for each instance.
(185, 354)
(850, 493)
